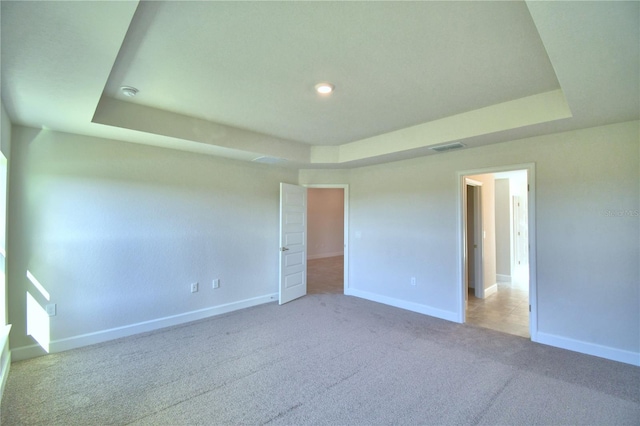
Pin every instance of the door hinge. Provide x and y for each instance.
(527, 187)
(529, 308)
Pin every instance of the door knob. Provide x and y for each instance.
(284, 248)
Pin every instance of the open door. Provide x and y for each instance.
(293, 242)
(473, 238)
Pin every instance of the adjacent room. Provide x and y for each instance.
(327, 213)
(496, 243)
(320, 212)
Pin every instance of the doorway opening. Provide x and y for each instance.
(326, 239)
(497, 289)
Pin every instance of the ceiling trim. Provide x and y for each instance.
(530, 110)
(113, 112)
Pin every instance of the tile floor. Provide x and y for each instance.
(506, 310)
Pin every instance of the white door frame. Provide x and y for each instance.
(531, 208)
(345, 187)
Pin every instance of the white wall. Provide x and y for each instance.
(5, 128)
(116, 232)
(404, 222)
(323, 176)
(325, 222)
(5, 148)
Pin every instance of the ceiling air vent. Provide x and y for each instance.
(448, 147)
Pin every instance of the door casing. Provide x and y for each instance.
(531, 211)
(345, 189)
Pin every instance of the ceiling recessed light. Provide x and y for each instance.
(129, 91)
(324, 88)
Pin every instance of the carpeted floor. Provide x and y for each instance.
(507, 310)
(322, 359)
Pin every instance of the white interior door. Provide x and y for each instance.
(293, 242)
(474, 236)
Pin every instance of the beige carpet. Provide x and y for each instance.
(322, 359)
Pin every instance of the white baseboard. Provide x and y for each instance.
(323, 255)
(74, 342)
(620, 355)
(5, 358)
(403, 304)
(594, 349)
(503, 278)
(490, 290)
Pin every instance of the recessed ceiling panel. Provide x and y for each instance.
(254, 65)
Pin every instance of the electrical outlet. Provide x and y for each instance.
(194, 287)
(413, 280)
(51, 309)
(216, 283)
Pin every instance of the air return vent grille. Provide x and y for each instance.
(448, 147)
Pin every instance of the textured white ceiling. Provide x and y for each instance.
(236, 78)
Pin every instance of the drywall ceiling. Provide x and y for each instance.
(236, 79)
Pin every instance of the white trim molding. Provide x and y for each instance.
(74, 342)
(403, 304)
(490, 290)
(5, 357)
(594, 349)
